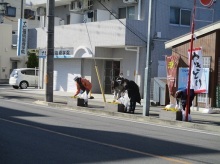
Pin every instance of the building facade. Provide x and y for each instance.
(208, 40)
(112, 36)
(9, 15)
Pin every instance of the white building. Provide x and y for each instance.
(8, 33)
(112, 36)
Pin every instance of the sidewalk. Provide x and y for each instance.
(200, 121)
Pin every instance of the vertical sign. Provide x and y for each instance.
(22, 37)
(197, 81)
(171, 66)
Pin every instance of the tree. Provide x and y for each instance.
(32, 60)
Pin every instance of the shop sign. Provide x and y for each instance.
(58, 53)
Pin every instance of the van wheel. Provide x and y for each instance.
(23, 85)
(15, 87)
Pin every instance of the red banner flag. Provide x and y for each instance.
(171, 65)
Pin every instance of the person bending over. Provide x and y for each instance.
(83, 85)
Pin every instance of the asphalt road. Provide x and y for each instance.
(7, 92)
(31, 133)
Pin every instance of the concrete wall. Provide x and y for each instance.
(104, 52)
(7, 53)
(106, 33)
(86, 68)
(95, 83)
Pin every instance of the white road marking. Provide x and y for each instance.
(117, 118)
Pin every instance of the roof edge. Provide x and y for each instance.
(197, 33)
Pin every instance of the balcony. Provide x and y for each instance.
(110, 34)
(102, 28)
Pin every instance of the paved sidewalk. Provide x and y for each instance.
(200, 121)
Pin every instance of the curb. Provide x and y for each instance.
(191, 125)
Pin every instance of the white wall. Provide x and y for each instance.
(6, 51)
(128, 62)
(105, 33)
(95, 83)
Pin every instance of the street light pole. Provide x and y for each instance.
(147, 75)
(50, 51)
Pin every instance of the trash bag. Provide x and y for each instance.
(170, 107)
(125, 101)
(178, 105)
(184, 116)
(83, 96)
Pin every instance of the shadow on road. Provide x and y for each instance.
(18, 97)
(28, 141)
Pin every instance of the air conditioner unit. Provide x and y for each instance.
(130, 1)
(80, 5)
(41, 11)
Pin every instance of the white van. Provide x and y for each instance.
(23, 78)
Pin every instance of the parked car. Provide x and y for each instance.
(23, 78)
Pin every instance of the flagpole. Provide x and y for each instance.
(190, 61)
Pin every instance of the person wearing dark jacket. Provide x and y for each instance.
(133, 93)
(181, 95)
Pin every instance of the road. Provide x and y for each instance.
(31, 133)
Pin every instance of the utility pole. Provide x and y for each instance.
(50, 50)
(147, 75)
(190, 61)
(22, 4)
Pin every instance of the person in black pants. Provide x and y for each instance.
(133, 93)
(181, 95)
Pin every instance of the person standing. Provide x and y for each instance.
(117, 87)
(120, 79)
(83, 85)
(133, 93)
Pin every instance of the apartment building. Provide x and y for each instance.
(112, 35)
(9, 14)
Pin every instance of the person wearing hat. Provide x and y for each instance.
(83, 85)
